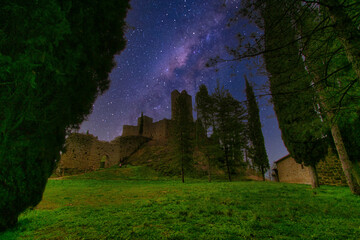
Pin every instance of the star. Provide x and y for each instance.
(169, 43)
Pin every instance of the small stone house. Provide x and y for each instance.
(329, 171)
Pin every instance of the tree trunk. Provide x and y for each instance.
(351, 175)
(182, 172)
(346, 32)
(263, 174)
(209, 170)
(349, 36)
(347, 166)
(314, 177)
(227, 165)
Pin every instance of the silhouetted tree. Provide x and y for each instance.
(55, 57)
(229, 127)
(260, 158)
(309, 51)
(141, 127)
(205, 113)
(183, 137)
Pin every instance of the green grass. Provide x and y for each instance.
(135, 203)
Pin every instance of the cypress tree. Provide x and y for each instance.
(182, 134)
(141, 127)
(260, 158)
(293, 97)
(55, 57)
(205, 112)
(229, 128)
(329, 48)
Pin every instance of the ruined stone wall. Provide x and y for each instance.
(85, 152)
(330, 172)
(128, 145)
(100, 149)
(147, 127)
(174, 96)
(78, 147)
(292, 172)
(161, 129)
(129, 130)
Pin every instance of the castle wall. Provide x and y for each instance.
(147, 126)
(174, 96)
(161, 129)
(84, 152)
(127, 146)
(129, 130)
(330, 171)
(100, 150)
(78, 148)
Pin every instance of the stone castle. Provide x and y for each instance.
(84, 152)
(158, 130)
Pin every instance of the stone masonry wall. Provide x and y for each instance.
(85, 152)
(100, 149)
(78, 148)
(330, 171)
(129, 130)
(161, 129)
(128, 146)
(292, 172)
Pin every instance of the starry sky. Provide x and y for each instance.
(169, 43)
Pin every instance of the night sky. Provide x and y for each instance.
(169, 43)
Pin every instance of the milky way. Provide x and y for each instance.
(169, 43)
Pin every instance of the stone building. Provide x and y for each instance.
(160, 130)
(329, 171)
(84, 152)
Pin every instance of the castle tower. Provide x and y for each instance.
(174, 96)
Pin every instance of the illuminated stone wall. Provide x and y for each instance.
(84, 152)
(329, 171)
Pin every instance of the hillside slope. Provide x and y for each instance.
(161, 157)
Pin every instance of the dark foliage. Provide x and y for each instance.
(141, 127)
(229, 128)
(259, 156)
(183, 137)
(55, 57)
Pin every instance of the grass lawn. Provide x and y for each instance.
(133, 203)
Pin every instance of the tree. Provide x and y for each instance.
(141, 127)
(205, 112)
(55, 57)
(183, 137)
(260, 158)
(332, 21)
(295, 100)
(229, 127)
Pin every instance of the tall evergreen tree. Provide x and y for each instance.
(286, 40)
(292, 94)
(183, 137)
(260, 158)
(229, 127)
(205, 112)
(141, 127)
(55, 57)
